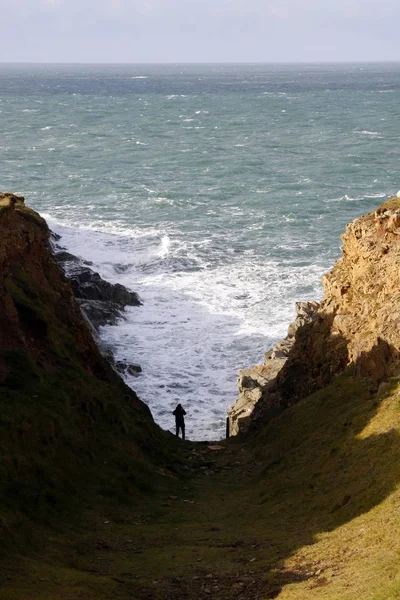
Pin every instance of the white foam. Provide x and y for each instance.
(347, 198)
(71, 229)
(290, 218)
(366, 132)
(162, 200)
(165, 245)
(377, 195)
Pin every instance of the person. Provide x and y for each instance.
(179, 413)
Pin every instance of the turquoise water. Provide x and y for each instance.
(218, 192)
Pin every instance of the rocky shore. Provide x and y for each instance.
(101, 302)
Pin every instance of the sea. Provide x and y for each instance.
(218, 192)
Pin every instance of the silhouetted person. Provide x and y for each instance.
(179, 420)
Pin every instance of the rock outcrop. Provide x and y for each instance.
(30, 283)
(259, 385)
(355, 324)
(101, 302)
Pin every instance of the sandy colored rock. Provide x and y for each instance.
(258, 386)
(356, 323)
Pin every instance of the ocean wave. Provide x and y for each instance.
(290, 218)
(347, 198)
(72, 229)
(377, 195)
(165, 246)
(162, 200)
(366, 132)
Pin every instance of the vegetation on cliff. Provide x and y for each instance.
(71, 432)
(306, 506)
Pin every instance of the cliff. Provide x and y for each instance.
(39, 318)
(96, 502)
(69, 427)
(354, 325)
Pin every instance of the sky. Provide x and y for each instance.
(157, 31)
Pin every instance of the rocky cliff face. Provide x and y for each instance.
(69, 426)
(357, 323)
(35, 297)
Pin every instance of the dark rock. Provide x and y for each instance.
(99, 313)
(101, 302)
(134, 369)
(120, 366)
(89, 285)
(64, 256)
(123, 367)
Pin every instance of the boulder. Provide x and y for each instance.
(99, 313)
(88, 284)
(123, 367)
(134, 369)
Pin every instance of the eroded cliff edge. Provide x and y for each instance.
(70, 428)
(357, 323)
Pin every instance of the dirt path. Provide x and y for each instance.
(196, 542)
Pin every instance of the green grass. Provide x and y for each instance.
(310, 508)
(391, 204)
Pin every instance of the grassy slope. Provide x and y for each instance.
(309, 509)
(72, 434)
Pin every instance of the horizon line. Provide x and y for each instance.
(278, 62)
